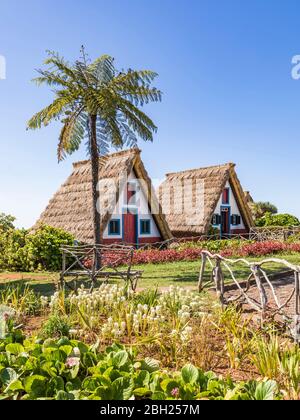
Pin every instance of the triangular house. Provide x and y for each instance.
(193, 201)
(130, 211)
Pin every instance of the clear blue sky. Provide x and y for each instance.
(225, 70)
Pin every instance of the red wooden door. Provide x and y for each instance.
(130, 233)
(225, 214)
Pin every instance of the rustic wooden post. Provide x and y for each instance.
(64, 266)
(297, 289)
(219, 281)
(95, 267)
(296, 332)
(262, 292)
(202, 271)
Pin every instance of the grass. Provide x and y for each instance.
(183, 274)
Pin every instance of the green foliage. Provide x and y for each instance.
(22, 251)
(55, 327)
(215, 246)
(6, 222)
(13, 250)
(21, 299)
(85, 92)
(261, 208)
(278, 220)
(44, 248)
(70, 370)
(279, 362)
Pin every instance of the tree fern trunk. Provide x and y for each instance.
(95, 180)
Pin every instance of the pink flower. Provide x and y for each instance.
(72, 362)
(175, 392)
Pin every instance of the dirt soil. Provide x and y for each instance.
(283, 287)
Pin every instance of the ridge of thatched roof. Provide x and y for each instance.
(71, 207)
(180, 209)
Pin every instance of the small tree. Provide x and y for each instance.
(261, 208)
(6, 222)
(97, 101)
(277, 220)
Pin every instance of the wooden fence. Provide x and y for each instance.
(273, 234)
(268, 302)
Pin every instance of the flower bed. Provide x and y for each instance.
(70, 370)
(112, 344)
(248, 249)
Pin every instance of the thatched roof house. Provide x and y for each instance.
(122, 221)
(195, 200)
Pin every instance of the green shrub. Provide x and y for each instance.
(284, 220)
(23, 251)
(56, 327)
(44, 248)
(70, 370)
(6, 222)
(13, 252)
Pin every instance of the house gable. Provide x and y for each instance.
(133, 198)
(71, 207)
(179, 205)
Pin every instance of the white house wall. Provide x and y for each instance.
(143, 212)
(234, 209)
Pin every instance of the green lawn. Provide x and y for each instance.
(184, 274)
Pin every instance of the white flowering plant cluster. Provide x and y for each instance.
(113, 313)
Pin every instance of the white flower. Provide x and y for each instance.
(76, 352)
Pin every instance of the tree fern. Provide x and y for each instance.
(97, 105)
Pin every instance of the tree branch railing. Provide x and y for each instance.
(261, 280)
(261, 234)
(93, 262)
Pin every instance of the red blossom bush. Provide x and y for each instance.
(156, 256)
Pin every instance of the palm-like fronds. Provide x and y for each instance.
(96, 89)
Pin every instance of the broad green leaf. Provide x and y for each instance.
(142, 393)
(14, 386)
(150, 365)
(64, 396)
(120, 359)
(35, 385)
(122, 389)
(66, 349)
(7, 376)
(15, 348)
(143, 379)
(169, 385)
(190, 374)
(266, 391)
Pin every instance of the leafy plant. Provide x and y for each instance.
(69, 370)
(21, 299)
(278, 220)
(56, 326)
(24, 251)
(290, 372)
(6, 222)
(266, 356)
(96, 101)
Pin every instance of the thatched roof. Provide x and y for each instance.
(71, 207)
(181, 213)
(249, 197)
